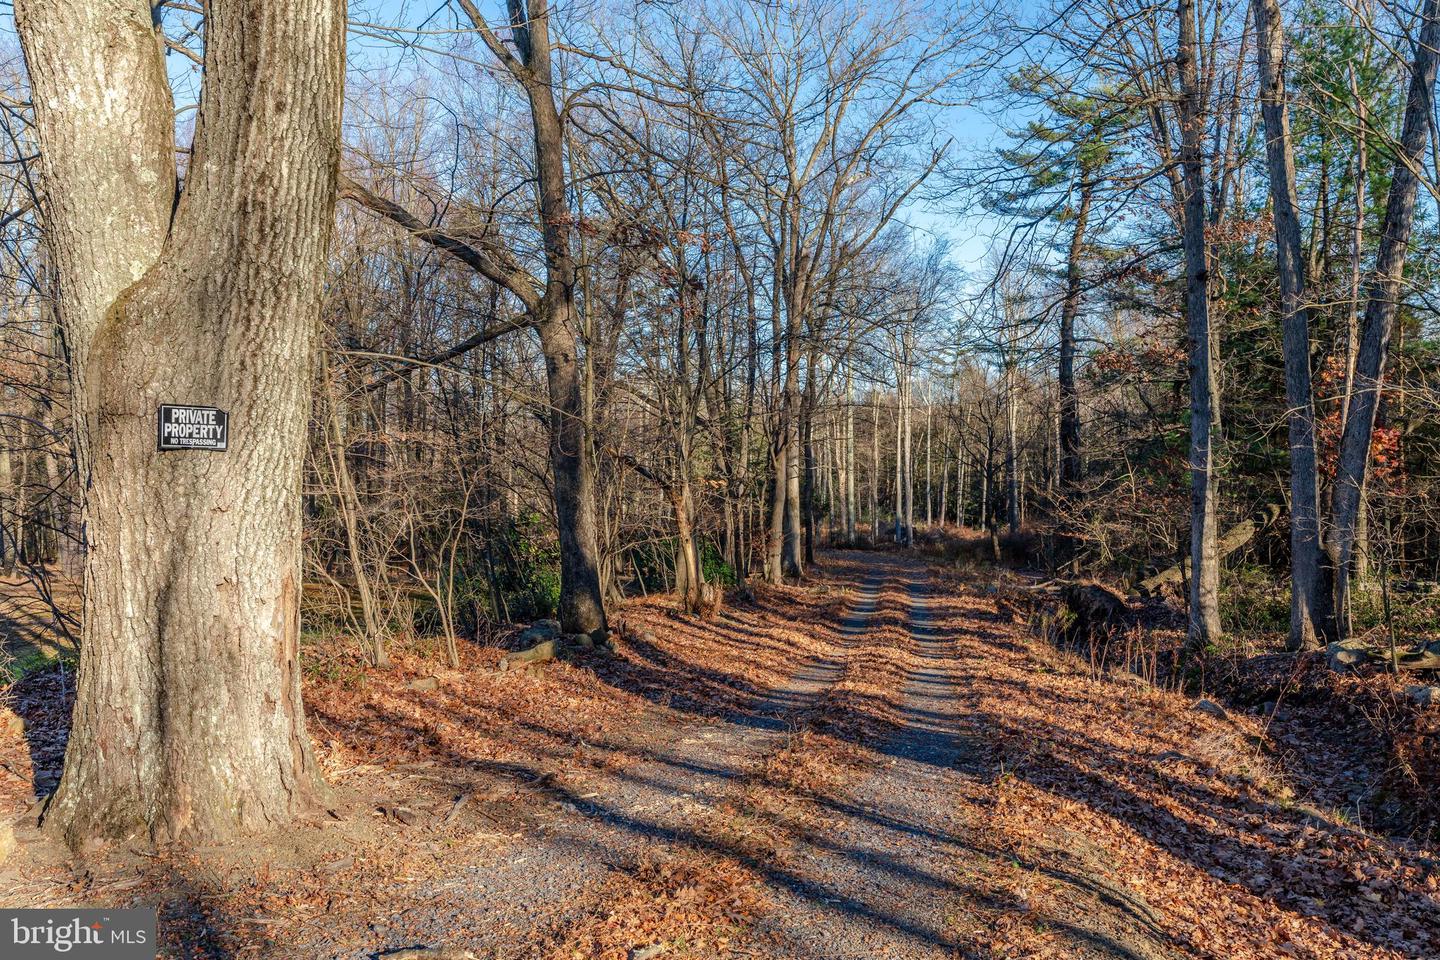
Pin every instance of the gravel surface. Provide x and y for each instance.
(684, 770)
(877, 886)
(895, 873)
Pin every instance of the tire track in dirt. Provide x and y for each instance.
(678, 774)
(904, 871)
(877, 884)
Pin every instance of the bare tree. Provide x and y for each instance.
(1385, 283)
(1204, 558)
(1307, 597)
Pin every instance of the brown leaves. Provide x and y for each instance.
(1189, 814)
(691, 905)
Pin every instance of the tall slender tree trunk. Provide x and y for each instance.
(929, 495)
(986, 478)
(795, 298)
(775, 527)
(1352, 325)
(944, 503)
(1307, 603)
(807, 483)
(900, 468)
(1012, 465)
(188, 721)
(960, 490)
(1069, 430)
(1204, 627)
(582, 603)
(582, 606)
(875, 471)
(851, 505)
(909, 459)
(9, 503)
(1380, 310)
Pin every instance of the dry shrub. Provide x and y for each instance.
(1412, 774)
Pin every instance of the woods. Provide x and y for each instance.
(525, 316)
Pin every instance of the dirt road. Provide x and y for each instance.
(875, 855)
(884, 764)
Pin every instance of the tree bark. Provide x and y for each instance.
(690, 584)
(875, 471)
(848, 491)
(582, 608)
(1069, 439)
(1307, 607)
(188, 720)
(1012, 466)
(1364, 401)
(1204, 618)
(908, 485)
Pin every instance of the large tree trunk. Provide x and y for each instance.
(188, 719)
(1204, 628)
(582, 607)
(1369, 379)
(1307, 606)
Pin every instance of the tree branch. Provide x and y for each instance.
(517, 281)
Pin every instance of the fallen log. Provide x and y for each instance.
(539, 653)
(1348, 654)
(1232, 540)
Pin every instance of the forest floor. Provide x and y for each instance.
(28, 635)
(883, 763)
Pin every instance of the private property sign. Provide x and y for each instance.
(183, 427)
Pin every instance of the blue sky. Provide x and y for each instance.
(969, 231)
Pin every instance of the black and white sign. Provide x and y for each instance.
(180, 427)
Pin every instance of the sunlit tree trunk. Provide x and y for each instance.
(1307, 607)
(188, 721)
(1204, 617)
(1370, 358)
(1069, 430)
